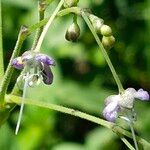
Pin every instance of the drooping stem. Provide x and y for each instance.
(1, 45)
(41, 11)
(9, 71)
(38, 46)
(22, 103)
(118, 82)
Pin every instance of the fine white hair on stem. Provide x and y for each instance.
(22, 103)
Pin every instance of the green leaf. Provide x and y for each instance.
(68, 146)
(101, 138)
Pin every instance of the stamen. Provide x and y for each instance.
(34, 80)
(22, 103)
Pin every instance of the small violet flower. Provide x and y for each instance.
(37, 65)
(120, 102)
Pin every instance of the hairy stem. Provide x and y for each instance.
(1, 45)
(9, 71)
(118, 82)
(41, 11)
(114, 127)
(38, 46)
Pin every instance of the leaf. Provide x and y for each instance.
(101, 138)
(68, 146)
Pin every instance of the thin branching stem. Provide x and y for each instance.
(41, 38)
(133, 135)
(41, 12)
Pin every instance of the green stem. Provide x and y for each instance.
(120, 87)
(125, 141)
(38, 46)
(61, 13)
(9, 71)
(74, 10)
(114, 127)
(133, 135)
(1, 45)
(41, 8)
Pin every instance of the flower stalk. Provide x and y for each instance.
(133, 135)
(118, 82)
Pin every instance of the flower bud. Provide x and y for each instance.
(73, 32)
(108, 42)
(96, 22)
(17, 63)
(70, 3)
(106, 30)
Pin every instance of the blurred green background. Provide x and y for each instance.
(82, 77)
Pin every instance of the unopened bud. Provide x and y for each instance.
(106, 30)
(73, 32)
(108, 42)
(70, 3)
(96, 22)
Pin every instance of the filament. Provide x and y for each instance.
(22, 103)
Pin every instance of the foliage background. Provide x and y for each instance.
(82, 77)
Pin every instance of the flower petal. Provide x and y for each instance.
(47, 75)
(45, 59)
(127, 98)
(17, 63)
(141, 94)
(112, 106)
(28, 55)
(112, 98)
(111, 116)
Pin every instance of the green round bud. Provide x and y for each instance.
(70, 3)
(73, 32)
(106, 30)
(108, 42)
(96, 22)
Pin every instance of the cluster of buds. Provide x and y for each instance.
(37, 65)
(122, 102)
(108, 39)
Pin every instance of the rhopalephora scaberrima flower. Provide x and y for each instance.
(37, 65)
(121, 102)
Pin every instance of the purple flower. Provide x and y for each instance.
(141, 94)
(37, 65)
(120, 102)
